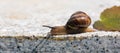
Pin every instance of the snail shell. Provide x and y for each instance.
(78, 20)
(78, 23)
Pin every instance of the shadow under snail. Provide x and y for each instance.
(78, 23)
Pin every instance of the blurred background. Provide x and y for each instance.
(26, 17)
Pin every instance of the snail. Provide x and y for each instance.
(78, 23)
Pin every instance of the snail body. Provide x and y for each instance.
(78, 23)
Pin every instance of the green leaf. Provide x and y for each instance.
(110, 19)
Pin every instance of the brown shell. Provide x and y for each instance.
(78, 20)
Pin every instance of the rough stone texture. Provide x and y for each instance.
(94, 44)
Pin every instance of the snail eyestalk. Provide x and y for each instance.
(47, 26)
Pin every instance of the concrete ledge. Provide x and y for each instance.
(94, 44)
